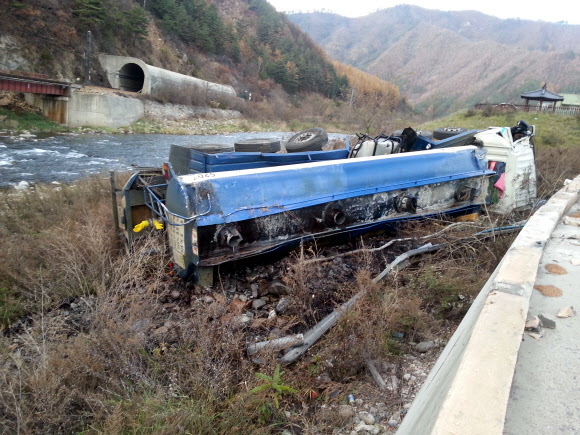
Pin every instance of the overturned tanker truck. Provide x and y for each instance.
(236, 205)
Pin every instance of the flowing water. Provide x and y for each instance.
(69, 157)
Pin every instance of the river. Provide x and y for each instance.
(65, 158)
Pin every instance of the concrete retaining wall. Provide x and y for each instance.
(468, 389)
(103, 110)
(108, 110)
(54, 108)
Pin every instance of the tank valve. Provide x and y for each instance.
(406, 204)
(333, 217)
(230, 236)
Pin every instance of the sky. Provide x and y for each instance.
(551, 11)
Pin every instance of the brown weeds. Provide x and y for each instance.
(112, 344)
(62, 237)
(554, 166)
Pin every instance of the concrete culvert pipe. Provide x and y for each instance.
(131, 78)
(132, 74)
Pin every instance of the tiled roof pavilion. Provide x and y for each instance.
(542, 95)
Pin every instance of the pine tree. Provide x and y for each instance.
(135, 23)
(90, 13)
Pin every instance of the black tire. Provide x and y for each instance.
(308, 140)
(261, 145)
(445, 132)
(212, 148)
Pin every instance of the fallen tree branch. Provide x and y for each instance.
(318, 330)
(313, 334)
(276, 344)
(401, 260)
(375, 374)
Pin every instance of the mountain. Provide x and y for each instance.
(444, 61)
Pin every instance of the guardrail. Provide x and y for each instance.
(468, 389)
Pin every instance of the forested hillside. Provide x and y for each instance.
(444, 61)
(238, 42)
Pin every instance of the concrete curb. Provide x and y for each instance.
(468, 389)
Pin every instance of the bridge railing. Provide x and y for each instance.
(33, 85)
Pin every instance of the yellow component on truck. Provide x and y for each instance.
(139, 227)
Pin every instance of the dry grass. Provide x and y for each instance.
(97, 348)
(59, 239)
(554, 166)
(129, 357)
(137, 368)
(424, 302)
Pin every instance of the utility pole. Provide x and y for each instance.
(88, 53)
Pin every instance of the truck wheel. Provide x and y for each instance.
(261, 145)
(445, 132)
(212, 148)
(308, 140)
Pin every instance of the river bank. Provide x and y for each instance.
(15, 123)
(17, 117)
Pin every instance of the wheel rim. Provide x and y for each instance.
(305, 137)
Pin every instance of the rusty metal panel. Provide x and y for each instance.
(14, 85)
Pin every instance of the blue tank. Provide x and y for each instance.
(214, 217)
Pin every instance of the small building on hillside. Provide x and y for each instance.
(542, 95)
(571, 101)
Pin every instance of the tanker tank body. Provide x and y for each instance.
(256, 211)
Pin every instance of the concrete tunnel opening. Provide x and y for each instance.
(131, 77)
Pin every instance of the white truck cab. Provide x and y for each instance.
(517, 183)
